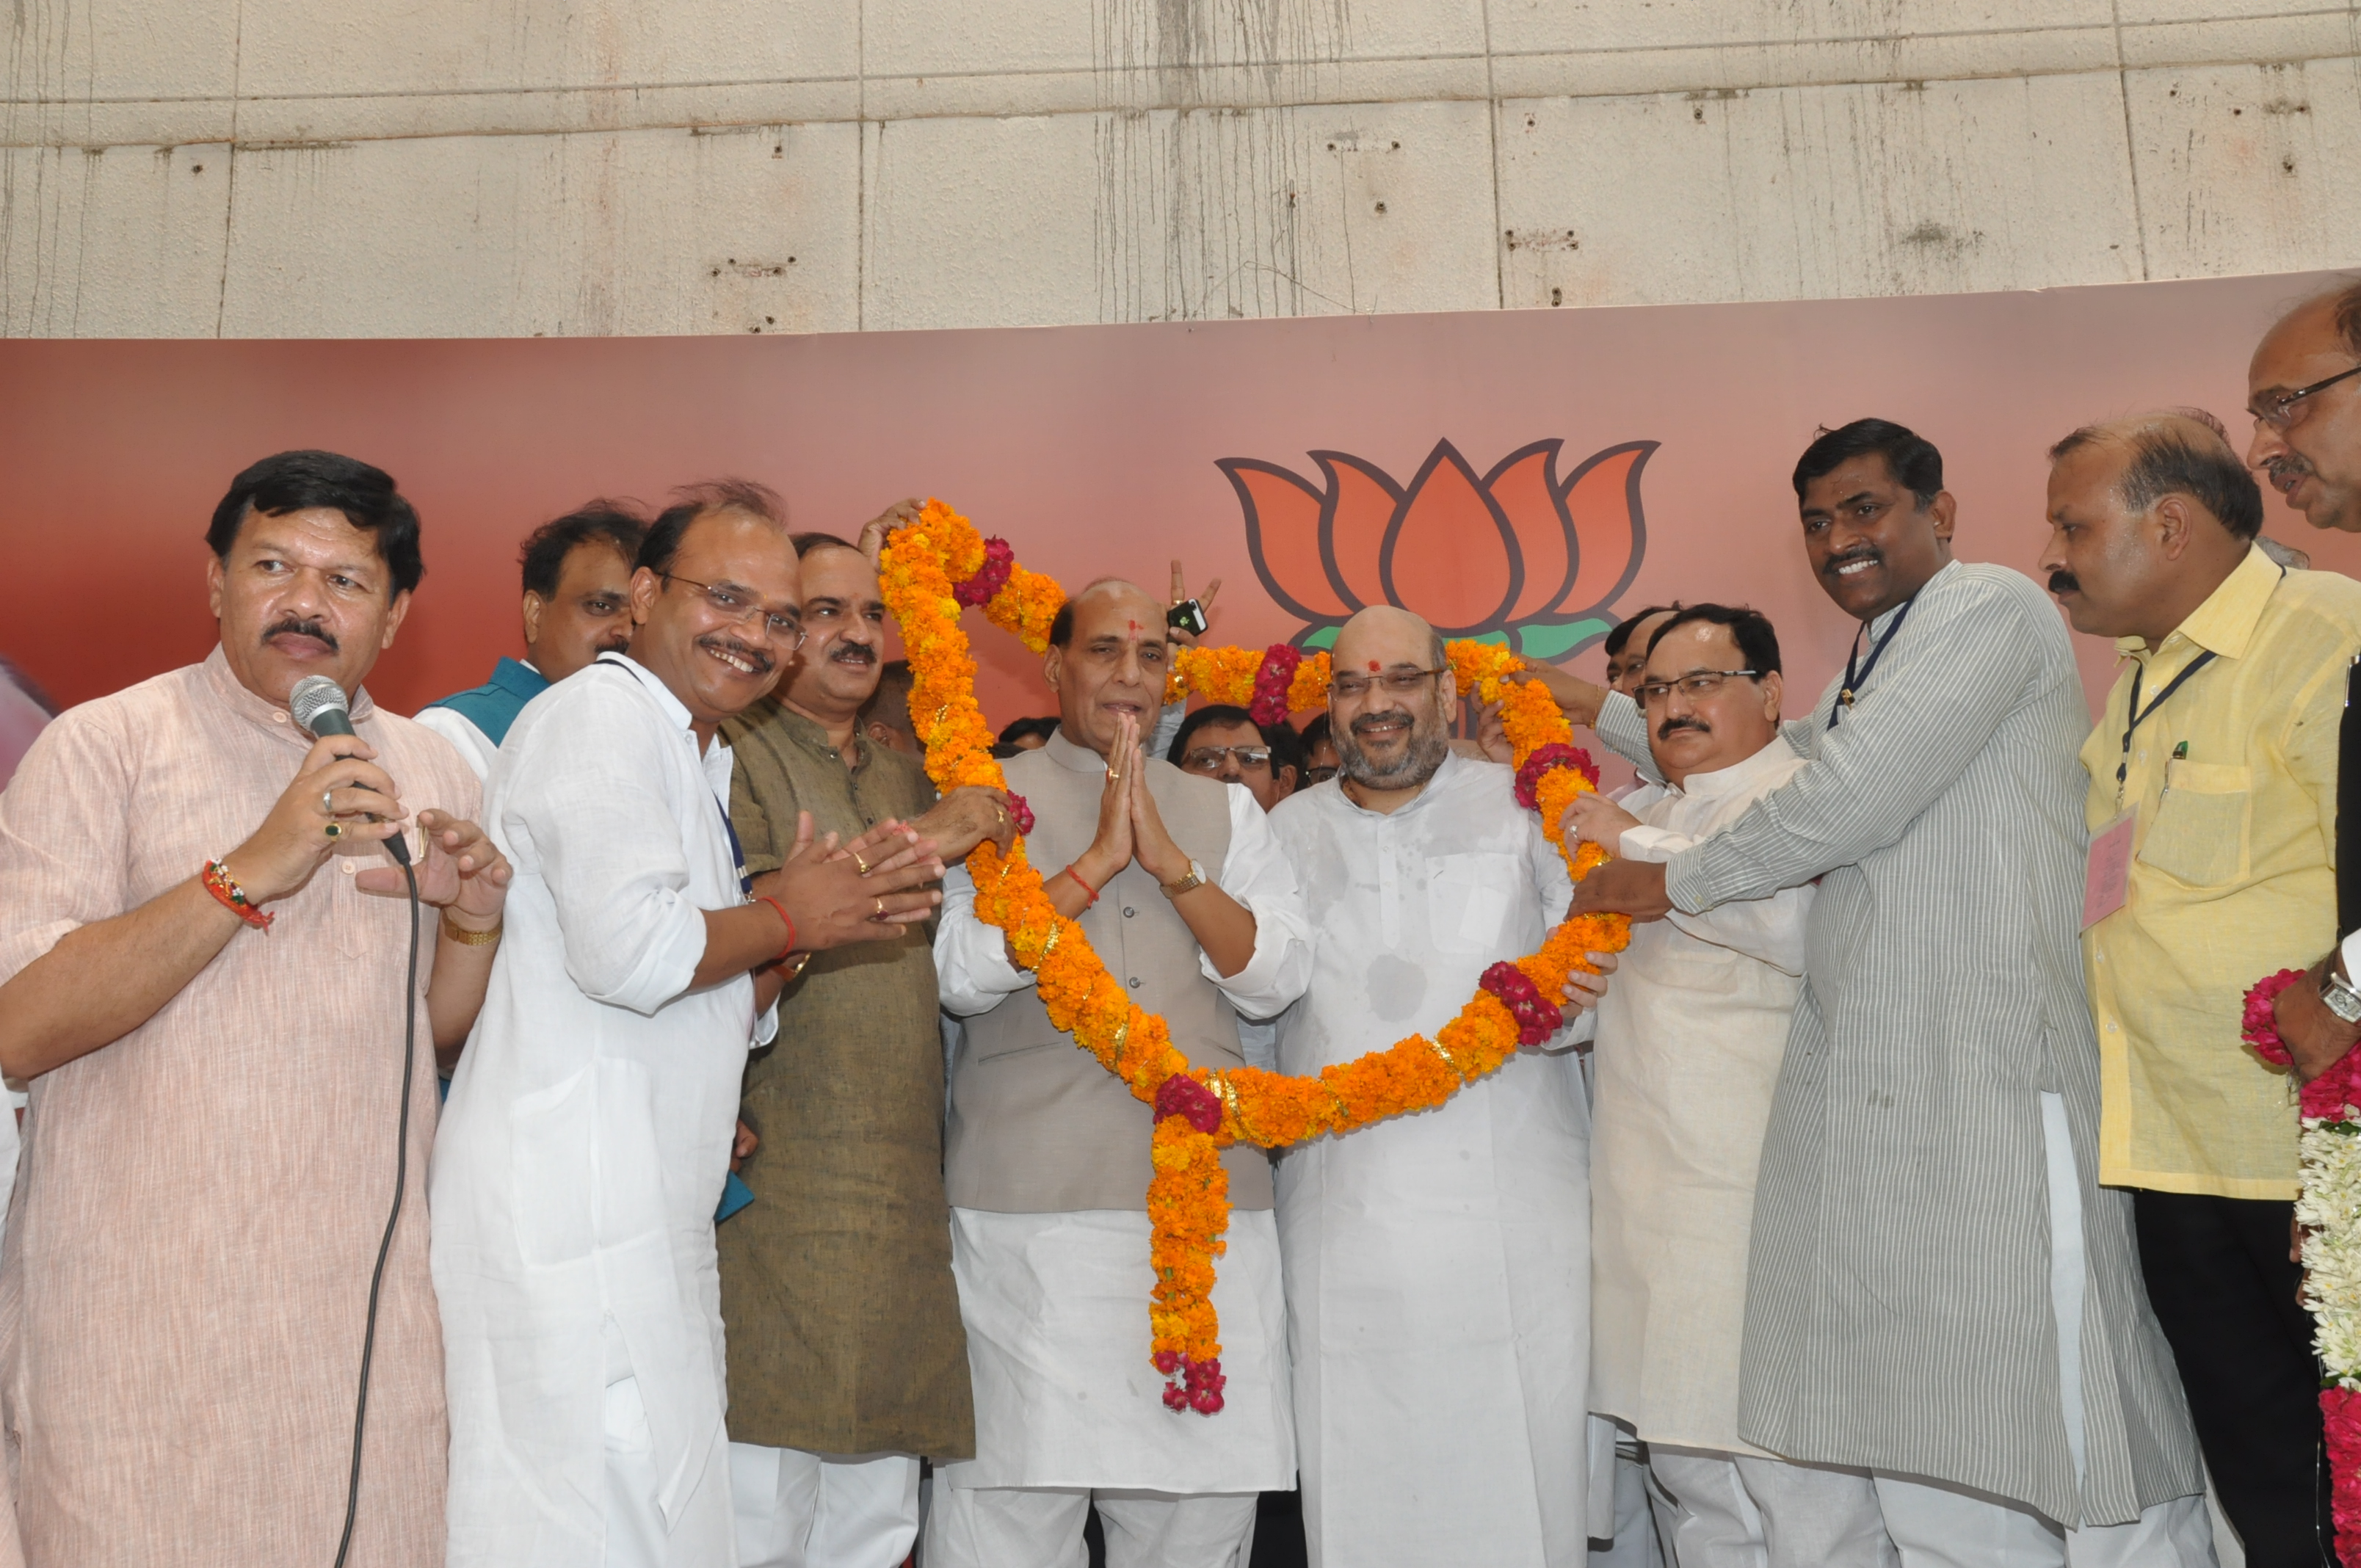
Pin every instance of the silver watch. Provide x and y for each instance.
(2339, 998)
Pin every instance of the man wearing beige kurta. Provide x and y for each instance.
(1690, 1038)
(210, 1146)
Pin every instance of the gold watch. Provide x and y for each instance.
(1195, 879)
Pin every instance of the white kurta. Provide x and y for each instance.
(583, 1151)
(1690, 1036)
(1438, 1266)
(1056, 1305)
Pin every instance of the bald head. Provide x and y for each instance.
(2307, 409)
(1106, 662)
(1381, 637)
(2148, 516)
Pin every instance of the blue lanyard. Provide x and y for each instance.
(1854, 682)
(737, 855)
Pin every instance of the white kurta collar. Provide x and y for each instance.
(1736, 777)
(674, 709)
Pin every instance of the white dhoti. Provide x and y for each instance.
(1070, 1410)
(813, 1510)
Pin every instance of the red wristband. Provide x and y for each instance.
(232, 897)
(1083, 886)
(774, 903)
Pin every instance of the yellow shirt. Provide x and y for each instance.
(2233, 876)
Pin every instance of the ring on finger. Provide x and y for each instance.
(861, 863)
(328, 803)
(881, 909)
(336, 830)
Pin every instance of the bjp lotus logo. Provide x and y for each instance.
(1518, 555)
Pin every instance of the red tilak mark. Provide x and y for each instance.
(1373, 666)
(1133, 625)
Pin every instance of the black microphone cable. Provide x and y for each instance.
(401, 1179)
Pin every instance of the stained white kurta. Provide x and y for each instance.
(1056, 1305)
(1437, 1266)
(1690, 1036)
(588, 1134)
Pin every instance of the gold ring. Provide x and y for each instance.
(1114, 777)
(881, 910)
(336, 830)
(861, 863)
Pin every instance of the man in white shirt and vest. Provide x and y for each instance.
(1690, 1038)
(1177, 881)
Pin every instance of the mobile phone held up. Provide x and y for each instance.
(1188, 616)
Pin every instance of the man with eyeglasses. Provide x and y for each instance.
(846, 1361)
(589, 1129)
(1177, 881)
(2303, 388)
(577, 574)
(1438, 1266)
(1220, 742)
(1936, 1119)
(1318, 751)
(1698, 999)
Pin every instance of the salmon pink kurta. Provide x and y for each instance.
(186, 1268)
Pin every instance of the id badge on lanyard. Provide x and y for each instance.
(2107, 874)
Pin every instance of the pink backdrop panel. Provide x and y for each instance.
(1451, 468)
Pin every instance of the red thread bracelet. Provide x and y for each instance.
(1083, 886)
(232, 897)
(774, 903)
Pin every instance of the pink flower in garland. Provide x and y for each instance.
(1557, 754)
(2259, 1027)
(1021, 811)
(999, 561)
(1180, 1095)
(2340, 1410)
(1272, 681)
(1537, 1016)
(2328, 1095)
(1191, 1385)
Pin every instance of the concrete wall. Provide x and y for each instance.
(586, 167)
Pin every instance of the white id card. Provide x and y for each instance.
(2107, 880)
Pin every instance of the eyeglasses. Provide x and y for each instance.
(1208, 759)
(2283, 411)
(735, 606)
(1701, 683)
(1318, 776)
(1401, 683)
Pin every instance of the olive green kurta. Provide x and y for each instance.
(843, 1322)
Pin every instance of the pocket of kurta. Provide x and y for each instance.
(2199, 836)
(552, 1139)
(1470, 896)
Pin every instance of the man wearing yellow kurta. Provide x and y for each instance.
(2224, 779)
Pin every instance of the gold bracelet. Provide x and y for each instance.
(467, 938)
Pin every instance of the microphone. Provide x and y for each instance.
(318, 704)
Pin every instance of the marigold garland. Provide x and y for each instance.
(1201, 1112)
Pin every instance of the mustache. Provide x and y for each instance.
(1865, 552)
(852, 654)
(1369, 721)
(722, 643)
(615, 642)
(299, 626)
(2064, 582)
(1670, 726)
(2287, 466)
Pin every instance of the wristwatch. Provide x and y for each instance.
(1197, 878)
(2340, 997)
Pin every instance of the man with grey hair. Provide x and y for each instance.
(1437, 1266)
(1184, 895)
(2213, 792)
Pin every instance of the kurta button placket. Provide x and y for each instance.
(1129, 913)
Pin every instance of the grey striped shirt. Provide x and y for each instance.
(1898, 1308)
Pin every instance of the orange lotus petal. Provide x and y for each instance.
(1523, 485)
(1283, 514)
(1602, 498)
(1449, 551)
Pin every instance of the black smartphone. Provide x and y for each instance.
(1188, 616)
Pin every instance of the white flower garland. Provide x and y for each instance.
(2329, 1209)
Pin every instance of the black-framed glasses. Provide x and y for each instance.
(1208, 759)
(1318, 774)
(1697, 684)
(2281, 410)
(1401, 683)
(736, 606)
